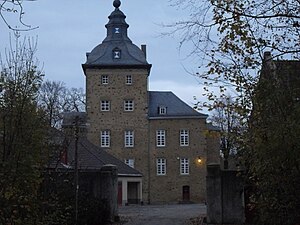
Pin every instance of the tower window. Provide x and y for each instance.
(129, 138)
(104, 79)
(128, 80)
(128, 105)
(105, 138)
(117, 30)
(117, 53)
(105, 105)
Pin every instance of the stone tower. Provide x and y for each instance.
(117, 95)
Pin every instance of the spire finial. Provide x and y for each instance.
(117, 3)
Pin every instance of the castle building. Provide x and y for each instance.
(153, 131)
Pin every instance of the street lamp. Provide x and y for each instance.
(199, 160)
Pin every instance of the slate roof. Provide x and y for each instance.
(92, 158)
(69, 118)
(102, 55)
(285, 72)
(176, 108)
(289, 72)
(211, 127)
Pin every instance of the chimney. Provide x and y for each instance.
(143, 47)
(268, 61)
(267, 56)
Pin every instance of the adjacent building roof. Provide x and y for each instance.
(284, 72)
(211, 127)
(285, 69)
(117, 49)
(174, 106)
(71, 118)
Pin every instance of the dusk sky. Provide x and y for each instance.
(70, 28)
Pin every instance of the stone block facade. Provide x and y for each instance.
(169, 187)
(116, 120)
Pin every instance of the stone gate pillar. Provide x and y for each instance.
(109, 189)
(214, 194)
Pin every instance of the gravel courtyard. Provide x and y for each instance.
(178, 214)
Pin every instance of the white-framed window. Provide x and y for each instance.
(162, 110)
(129, 138)
(104, 79)
(105, 105)
(160, 138)
(128, 80)
(161, 168)
(128, 105)
(105, 138)
(129, 162)
(184, 166)
(184, 138)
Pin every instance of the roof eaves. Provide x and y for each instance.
(129, 175)
(112, 66)
(204, 116)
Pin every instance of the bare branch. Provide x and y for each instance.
(15, 6)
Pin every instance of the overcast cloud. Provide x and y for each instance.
(70, 28)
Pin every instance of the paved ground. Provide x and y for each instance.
(161, 214)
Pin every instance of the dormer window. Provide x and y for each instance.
(117, 30)
(116, 53)
(162, 110)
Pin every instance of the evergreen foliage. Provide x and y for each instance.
(22, 133)
(274, 156)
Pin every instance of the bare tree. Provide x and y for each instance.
(227, 119)
(230, 37)
(55, 99)
(52, 99)
(75, 100)
(15, 8)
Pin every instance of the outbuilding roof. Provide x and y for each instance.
(174, 106)
(90, 158)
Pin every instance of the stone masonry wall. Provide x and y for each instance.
(213, 147)
(117, 120)
(168, 188)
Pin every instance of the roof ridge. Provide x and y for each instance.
(162, 91)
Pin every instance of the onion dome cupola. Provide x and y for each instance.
(117, 50)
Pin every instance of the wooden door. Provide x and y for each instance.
(186, 193)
